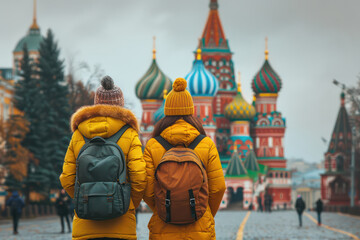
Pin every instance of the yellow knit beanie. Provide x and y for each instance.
(179, 101)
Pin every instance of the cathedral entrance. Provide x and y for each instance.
(236, 197)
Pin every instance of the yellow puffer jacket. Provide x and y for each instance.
(204, 228)
(105, 121)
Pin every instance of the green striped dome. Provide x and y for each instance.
(32, 41)
(266, 80)
(153, 83)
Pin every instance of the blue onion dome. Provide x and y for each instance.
(159, 114)
(239, 109)
(152, 84)
(32, 39)
(201, 82)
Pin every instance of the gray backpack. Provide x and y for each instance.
(101, 190)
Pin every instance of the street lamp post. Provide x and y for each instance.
(352, 167)
(352, 188)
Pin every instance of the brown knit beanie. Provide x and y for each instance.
(108, 93)
(179, 101)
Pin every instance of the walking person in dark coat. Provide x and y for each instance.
(62, 208)
(267, 202)
(300, 207)
(319, 209)
(259, 200)
(16, 205)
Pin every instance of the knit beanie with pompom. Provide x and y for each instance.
(179, 101)
(108, 93)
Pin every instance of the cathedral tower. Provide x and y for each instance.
(203, 86)
(268, 133)
(217, 58)
(149, 89)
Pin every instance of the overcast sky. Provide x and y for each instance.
(310, 43)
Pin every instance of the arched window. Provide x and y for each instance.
(340, 163)
(281, 175)
(270, 175)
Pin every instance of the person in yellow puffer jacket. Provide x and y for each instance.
(179, 126)
(104, 119)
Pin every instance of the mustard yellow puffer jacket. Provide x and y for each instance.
(105, 121)
(204, 228)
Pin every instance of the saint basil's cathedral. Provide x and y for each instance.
(249, 136)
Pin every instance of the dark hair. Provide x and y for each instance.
(168, 121)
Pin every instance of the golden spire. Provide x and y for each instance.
(34, 24)
(154, 48)
(254, 98)
(165, 93)
(198, 54)
(239, 82)
(266, 49)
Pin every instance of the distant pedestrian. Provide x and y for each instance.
(251, 206)
(259, 200)
(319, 209)
(16, 205)
(300, 207)
(267, 202)
(71, 208)
(62, 208)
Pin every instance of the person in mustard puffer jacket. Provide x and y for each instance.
(104, 119)
(179, 126)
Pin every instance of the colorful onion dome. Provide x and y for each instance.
(33, 37)
(201, 82)
(239, 109)
(152, 84)
(266, 80)
(159, 114)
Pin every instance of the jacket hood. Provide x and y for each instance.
(102, 120)
(180, 132)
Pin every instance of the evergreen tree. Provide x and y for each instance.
(55, 113)
(28, 99)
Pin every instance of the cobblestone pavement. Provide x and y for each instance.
(277, 225)
(346, 223)
(285, 225)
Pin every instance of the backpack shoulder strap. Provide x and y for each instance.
(196, 141)
(164, 143)
(115, 138)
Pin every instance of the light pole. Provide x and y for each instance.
(352, 167)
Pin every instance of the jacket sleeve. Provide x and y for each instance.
(216, 179)
(150, 171)
(136, 169)
(67, 177)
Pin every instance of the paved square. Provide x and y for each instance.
(277, 225)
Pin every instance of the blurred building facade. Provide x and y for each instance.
(307, 184)
(336, 182)
(249, 136)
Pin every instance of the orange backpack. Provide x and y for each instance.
(181, 185)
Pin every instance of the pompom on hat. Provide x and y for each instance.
(108, 93)
(179, 101)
